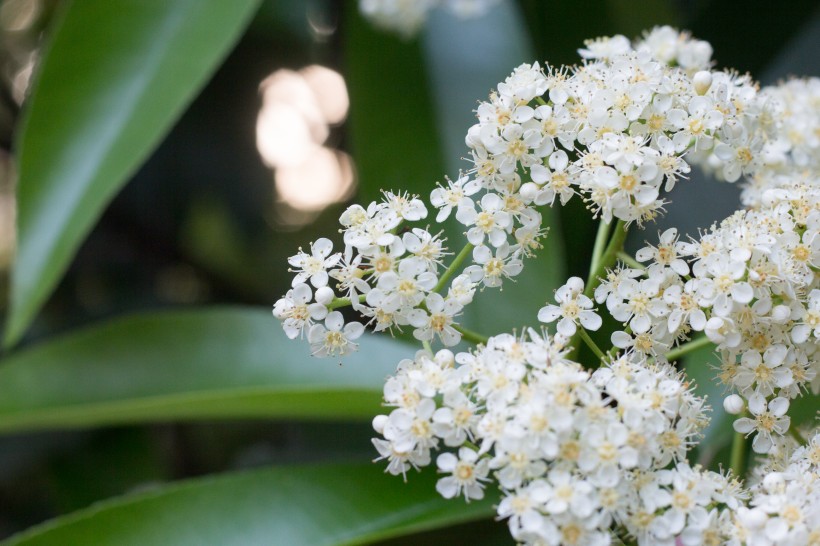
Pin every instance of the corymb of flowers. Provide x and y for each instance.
(595, 452)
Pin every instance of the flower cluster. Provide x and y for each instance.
(784, 509)
(796, 117)
(391, 280)
(407, 17)
(749, 284)
(582, 454)
(615, 130)
(573, 451)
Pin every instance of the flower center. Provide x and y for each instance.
(335, 340)
(765, 421)
(407, 287)
(517, 148)
(485, 221)
(801, 253)
(383, 264)
(681, 501)
(570, 309)
(464, 471)
(438, 322)
(696, 126)
(299, 312)
(494, 267)
(420, 428)
(628, 182)
(655, 122)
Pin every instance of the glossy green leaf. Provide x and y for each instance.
(395, 141)
(205, 364)
(114, 78)
(310, 505)
(702, 367)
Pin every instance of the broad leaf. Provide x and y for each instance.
(702, 367)
(114, 78)
(392, 121)
(206, 364)
(311, 505)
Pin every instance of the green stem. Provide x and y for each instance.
(454, 266)
(469, 335)
(344, 302)
(591, 344)
(738, 457)
(600, 244)
(630, 261)
(688, 347)
(608, 259)
(599, 266)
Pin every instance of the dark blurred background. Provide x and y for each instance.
(229, 194)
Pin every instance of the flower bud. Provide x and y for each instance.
(774, 482)
(702, 82)
(734, 404)
(324, 295)
(379, 422)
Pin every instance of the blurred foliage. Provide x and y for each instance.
(198, 221)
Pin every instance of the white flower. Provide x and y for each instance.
(426, 247)
(573, 306)
(763, 372)
(491, 269)
(439, 321)
(467, 472)
(462, 289)
(605, 47)
(335, 338)
(726, 286)
(404, 206)
(368, 228)
(314, 266)
(683, 307)
(666, 254)
(549, 182)
(446, 199)
(810, 324)
(412, 430)
(408, 285)
(349, 276)
(639, 304)
(492, 222)
(698, 123)
(567, 493)
(296, 313)
(768, 418)
(722, 332)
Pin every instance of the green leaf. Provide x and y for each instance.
(114, 78)
(311, 505)
(392, 122)
(701, 366)
(805, 409)
(206, 364)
